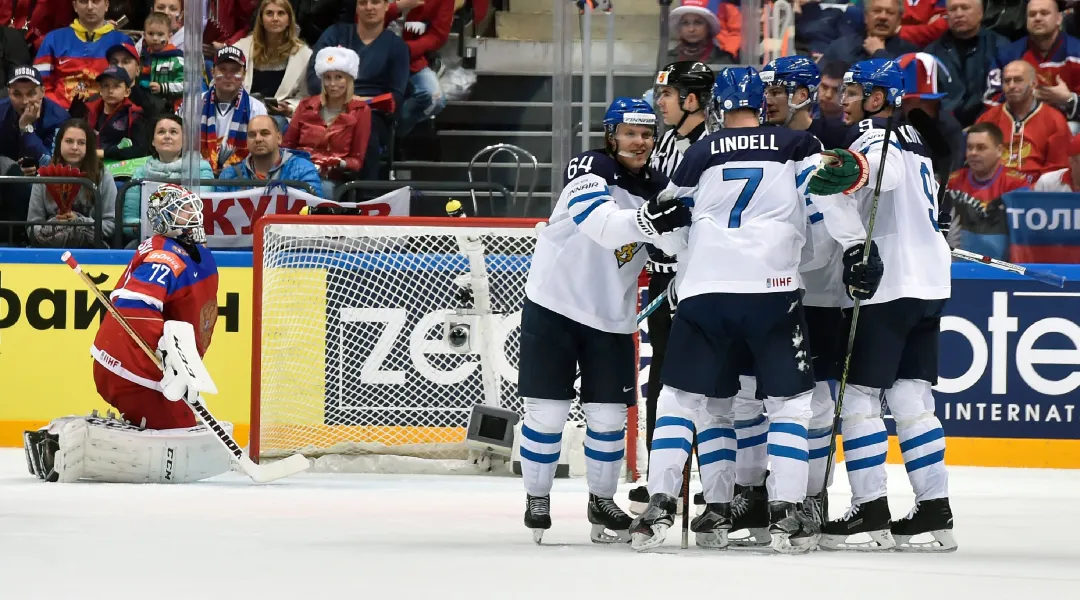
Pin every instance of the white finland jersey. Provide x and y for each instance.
(749, 217)
(588, 258)
(916, 256)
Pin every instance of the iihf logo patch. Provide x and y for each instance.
(626, 254)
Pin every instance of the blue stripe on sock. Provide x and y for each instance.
(878, 437)
(714, 434)
(605, 436)
(789, 428)
(671, 444)
(788, 452)
(919, 440)
(817, 453)
(751, 423)
(865, 463)
(540, 438)
(715, 456)
(756, 440)
(821, 432)
(925, 461)
(673, 421)
(603, 456)
(536, 457)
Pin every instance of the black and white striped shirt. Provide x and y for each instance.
(668, 152)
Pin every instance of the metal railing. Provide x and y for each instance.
(517, 152)
(42, 180)
(426, 186)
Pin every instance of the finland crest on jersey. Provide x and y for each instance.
(749, 217)
(585, 266)
(917, 259)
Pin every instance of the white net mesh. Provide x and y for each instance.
(353, 356)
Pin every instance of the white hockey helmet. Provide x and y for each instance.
(176, 212)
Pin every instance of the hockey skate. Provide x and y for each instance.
(750, 511)
(648, 530)
(869, 518)
(610, 525)
(538, 515)
(639, 500)
(932, 517)
(711, 527)
(791, 531)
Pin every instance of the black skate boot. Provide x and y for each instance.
(792, 532)
(538, 515)
(750, 511)
(648, 530)
(711, 527)
(933, 517)
(639, 499)
(699, 503)
(606, 516)
(816, 510)
(870, 518)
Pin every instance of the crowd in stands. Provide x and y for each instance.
(303, 90)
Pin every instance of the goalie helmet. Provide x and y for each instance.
(177, 213)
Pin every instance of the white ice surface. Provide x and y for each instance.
(342, 537)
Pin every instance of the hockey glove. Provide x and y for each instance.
(658, 261)
(672, 297)
(862, 280)
(841, 172)
(663, 214)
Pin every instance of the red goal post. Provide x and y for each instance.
(348, 355)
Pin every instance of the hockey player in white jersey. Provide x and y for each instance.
(896, 338)
(738, 287)
(580, 311)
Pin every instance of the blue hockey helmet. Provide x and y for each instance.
(792, 72)
(881, 73)
(739, 88)
(631, 111)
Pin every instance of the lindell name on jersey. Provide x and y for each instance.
(744, 142)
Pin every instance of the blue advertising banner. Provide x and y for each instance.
(1043, 227)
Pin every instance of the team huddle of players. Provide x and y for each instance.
(760, 236)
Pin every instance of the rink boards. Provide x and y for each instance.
(1010, 351)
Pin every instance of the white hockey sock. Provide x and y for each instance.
(865, 443)
(672, 439)
(818, 436)
(922, 440)
(541, 443)
(751, 431)
(605, 445)
(716, 450)
(788, 419)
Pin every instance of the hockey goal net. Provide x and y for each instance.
(350, 356)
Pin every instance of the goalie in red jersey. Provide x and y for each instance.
(168, 294)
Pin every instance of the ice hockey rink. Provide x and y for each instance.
(316, 536)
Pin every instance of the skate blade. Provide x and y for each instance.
(782, 543)
(880, 541)
(602, 535)
(642, 542)
(538, 534)
(942, 540)
(713, 540)
(756, 537)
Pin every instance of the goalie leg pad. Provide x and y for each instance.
(115, 451)
(605, 446)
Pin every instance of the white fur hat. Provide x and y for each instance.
(337, 59)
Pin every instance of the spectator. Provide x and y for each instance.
(696, 25)
(269, 161)
(14, 52)
(316, 16)
(14, 204)
(967, 50)
(70, 59)
(923, 21)
(1006, 17)
(162, 64)
(828, 95)
(816, 26)
(226, 22)
(28, 121)
(1038, 134)
(227, 110)
(975, 193)
(426, 29)
(75, 143)
(173, 23)
(334, 127)
(1054, 56)
(1063, 180)
(35, 18)
(126, 57)
(278, 60)
(120, 125)
(881, 39)
(165, 164)
(942, 133)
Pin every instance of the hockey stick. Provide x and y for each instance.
(685, 499)
(1041, 276)
(258, 473)
(842, 387)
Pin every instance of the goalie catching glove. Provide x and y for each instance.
(184, 375)
(862, 280)
(663, 214)
(841, 172)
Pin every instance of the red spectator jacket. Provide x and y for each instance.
(345, 138)
(1062, 60)
(916, 26)
(1034, 144)
(229, 20)
(36, 17)
(434, 18)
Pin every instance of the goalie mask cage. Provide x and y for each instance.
(349, 357)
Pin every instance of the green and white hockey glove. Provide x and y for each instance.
(841, 172)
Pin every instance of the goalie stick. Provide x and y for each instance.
(258, 473)
(1041, 276)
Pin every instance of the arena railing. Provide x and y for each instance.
(442, 188)
(36, 180)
